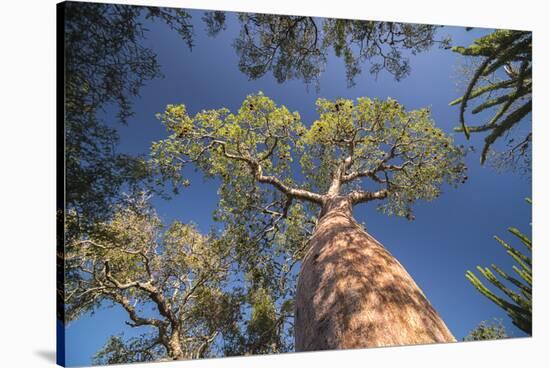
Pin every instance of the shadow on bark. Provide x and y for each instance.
(352, 293)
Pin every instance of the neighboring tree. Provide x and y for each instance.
(487, 331)
(269, 244)
(502, 80)
(517, 297)
(296, 47)
(287, 46)
(385, 45)
(105, 65)
(351, 292)
(266, 331)
(170, 282)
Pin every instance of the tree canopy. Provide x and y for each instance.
(367, 150)
(296, 47)
(502, 80)
(232, 291)
(171, 280)
(105, 64)
(187, 293)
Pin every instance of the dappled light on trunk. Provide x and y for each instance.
(352, 293)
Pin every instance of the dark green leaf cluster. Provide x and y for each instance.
(135, 350)
(266, 330)
(288, 46)
(297, 47)
(383, 44)
(105, 65)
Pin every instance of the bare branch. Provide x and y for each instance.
(136, 319)
(155, 295)
(360, 196)
(289, 191)
(257, 171)
(123, 286)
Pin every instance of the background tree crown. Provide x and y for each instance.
(170, 281)
(297, 47)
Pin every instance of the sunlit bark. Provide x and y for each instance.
(352, 293)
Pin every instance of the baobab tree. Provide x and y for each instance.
(351, 292)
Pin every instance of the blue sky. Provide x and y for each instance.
(449, 236)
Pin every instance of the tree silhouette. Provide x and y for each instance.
(382, 44)
(296, 47)
(105, 65)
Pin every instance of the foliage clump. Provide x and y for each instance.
(487, 331)
(171, 282)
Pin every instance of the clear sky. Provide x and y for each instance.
(449, 236)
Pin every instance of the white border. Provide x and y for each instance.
(27, 152)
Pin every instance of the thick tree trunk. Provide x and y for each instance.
(352, 293)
